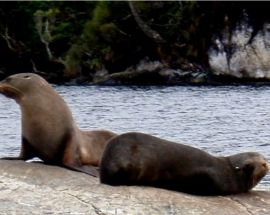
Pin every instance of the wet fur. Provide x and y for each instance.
(141, 159)
(48, 129)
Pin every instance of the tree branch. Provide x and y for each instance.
(143, 26)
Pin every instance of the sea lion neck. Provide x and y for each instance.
(53, 103)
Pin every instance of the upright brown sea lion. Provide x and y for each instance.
(48, 129)
(141, 159)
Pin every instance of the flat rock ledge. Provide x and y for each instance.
(35, 188)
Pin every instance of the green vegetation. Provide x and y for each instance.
(67, 40)
(94, 43)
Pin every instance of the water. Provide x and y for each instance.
(220, 120)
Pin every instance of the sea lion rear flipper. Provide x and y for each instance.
(87, 169)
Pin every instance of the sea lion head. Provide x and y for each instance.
(251, 167)
(15, 86)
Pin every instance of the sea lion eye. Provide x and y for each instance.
(26, 77)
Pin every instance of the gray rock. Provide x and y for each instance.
(35, 188)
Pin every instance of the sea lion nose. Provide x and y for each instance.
(4, 81)
(2, 85)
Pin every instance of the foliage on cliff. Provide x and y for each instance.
(68, 39)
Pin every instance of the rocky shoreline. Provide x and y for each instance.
(35, 188)
(155, 73)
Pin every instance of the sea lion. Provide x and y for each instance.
(141, 159)
(48, 129)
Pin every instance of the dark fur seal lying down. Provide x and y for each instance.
(141, 159)
(48, 129)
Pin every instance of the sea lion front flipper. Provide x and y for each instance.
(27, 152)
(87, 169)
